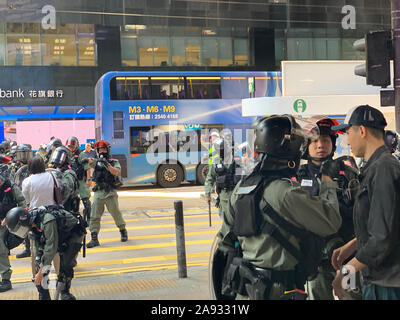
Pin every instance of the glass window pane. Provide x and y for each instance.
(86, 52)
(334, 49)
(31, 28)
(15, 51)
(50, 58)
(130, 88)
(178, 51)
(204, 87)
(225, 51)
(241, 52)
(192, 50)
(67, 50)
(85, 28)
(2, 50)
(161, 49)
(210, 52)
(31, 51)
(129, 51)
(14, 27)
(320, 49)
(304, 49)
(167, 88)
(59, 50)
(145, 52)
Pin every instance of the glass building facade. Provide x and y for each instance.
(88, 38)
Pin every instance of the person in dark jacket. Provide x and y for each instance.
(376, 211)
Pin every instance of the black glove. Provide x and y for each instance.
(332, 168)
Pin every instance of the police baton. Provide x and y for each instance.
(209, 213)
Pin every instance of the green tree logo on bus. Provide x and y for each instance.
(299, 106)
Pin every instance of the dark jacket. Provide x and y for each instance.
(377, 219)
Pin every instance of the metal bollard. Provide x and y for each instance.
(180, 239)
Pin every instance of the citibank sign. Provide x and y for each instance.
(31, 93)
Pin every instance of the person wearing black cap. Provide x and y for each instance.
(376, 211)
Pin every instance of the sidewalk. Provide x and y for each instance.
(145, 285)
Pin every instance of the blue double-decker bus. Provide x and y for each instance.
(157, 122)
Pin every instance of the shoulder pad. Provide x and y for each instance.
(47, 217)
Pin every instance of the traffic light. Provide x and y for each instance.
(378, 53)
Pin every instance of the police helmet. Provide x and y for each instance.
(53, 143)
(60, 156)
(23, 153)
(5, 146)
(72, 143)
(19, 221)
(276, 137)
(391, 140)
(102, 144)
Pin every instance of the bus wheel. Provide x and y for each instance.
(201, 173)
(169, 175)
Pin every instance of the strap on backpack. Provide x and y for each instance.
(274, 232)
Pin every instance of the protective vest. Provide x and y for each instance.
(7, 199)
(103, 178)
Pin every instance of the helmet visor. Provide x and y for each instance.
(58, 158)
(20, 231)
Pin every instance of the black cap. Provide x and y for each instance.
(364, 115)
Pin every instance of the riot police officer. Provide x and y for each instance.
(23, 153)
(56, 231)
(80, 163)
(278, 225)
(60, 160)
(106, 176)
(18, 172)
(318, 151)
(10, 197)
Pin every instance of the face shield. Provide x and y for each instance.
(23, 155)
(58, 158)
(20, 231)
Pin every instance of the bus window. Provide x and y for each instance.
(140, 139)
(204, 87)
(167, 88)
(129, 88)
(118, 124)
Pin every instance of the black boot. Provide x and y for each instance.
(124, 235)
(65, 294)
(5, 285)
(27, 251)
(44, 294)
(94, 242)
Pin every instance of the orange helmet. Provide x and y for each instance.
(102, 144)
